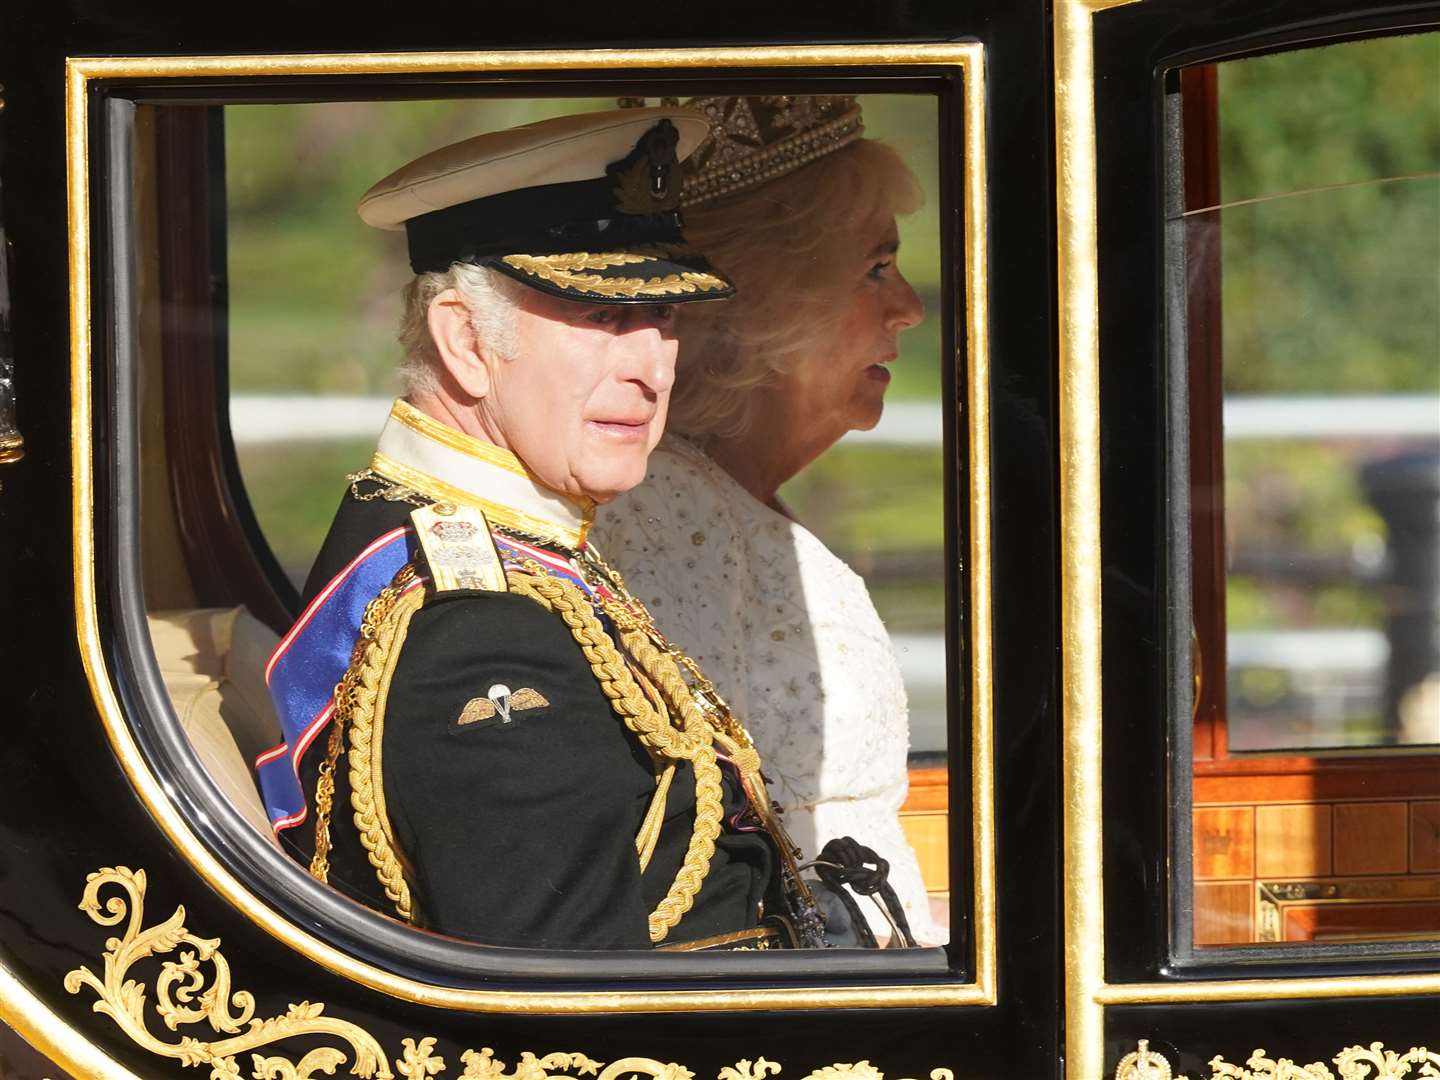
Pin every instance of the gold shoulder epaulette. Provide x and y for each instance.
(458, 548)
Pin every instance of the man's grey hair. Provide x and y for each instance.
(493, 300)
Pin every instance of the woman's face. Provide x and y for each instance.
(841, 387)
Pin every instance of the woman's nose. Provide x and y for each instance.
(905, 309)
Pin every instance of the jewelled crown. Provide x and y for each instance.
(755, 139)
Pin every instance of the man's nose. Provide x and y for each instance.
(905, 309)
(650, 358)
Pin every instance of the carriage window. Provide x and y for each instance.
(1311, 230)
(804, 572)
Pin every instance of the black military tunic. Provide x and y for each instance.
(521, 833)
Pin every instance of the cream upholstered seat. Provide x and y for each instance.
(213, 663)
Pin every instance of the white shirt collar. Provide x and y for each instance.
(436, 460)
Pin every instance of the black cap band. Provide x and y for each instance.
(576, 216)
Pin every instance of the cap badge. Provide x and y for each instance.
(644, 178)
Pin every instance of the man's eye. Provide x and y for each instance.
(602, 316)
(663, 312)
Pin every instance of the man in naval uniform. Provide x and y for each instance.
(512, 753)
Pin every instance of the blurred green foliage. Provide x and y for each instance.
(1329, 240)
(1286, 500)
(1338, 114)
(1328, 291)
(1331, 290)
(295, 489)
(315, 293)
(315, 298)
(880, 507)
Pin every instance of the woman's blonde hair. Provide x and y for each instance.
(492, 299)
(788, 245)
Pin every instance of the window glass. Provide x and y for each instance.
(1331, 348)
(314, 306)
(1312, 239)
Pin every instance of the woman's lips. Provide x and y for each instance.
(878, 372)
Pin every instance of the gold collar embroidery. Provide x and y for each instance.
(421, 453)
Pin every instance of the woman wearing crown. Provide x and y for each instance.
(791, 202)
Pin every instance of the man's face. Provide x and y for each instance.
(582, 402)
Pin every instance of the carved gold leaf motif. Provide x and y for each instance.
(183, 996)
(1260, 1067)
(1371, 1062)
(183, 982)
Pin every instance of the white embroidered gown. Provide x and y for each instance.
(790, 637)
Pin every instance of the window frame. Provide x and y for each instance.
(1206, 770)
(124, 681)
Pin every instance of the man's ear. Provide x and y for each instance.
(460, 353)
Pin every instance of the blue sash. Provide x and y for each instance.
(314, 655)
(310, 660)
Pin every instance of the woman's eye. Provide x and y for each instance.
(878, 270)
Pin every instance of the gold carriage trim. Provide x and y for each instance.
(570, 272)
(187, 992)
(1373, 1062)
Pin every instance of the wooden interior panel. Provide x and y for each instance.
(1224, 912)
(1424, 837)
(1268, 779)
(1370, 838)
(930, 837)
(224, 566)
(1341, 922)
(168, 585)
(1309, 816)
(1292, 841)
(929, 790)
(1201, 118)
(1224, 842)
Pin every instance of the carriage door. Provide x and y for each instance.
(1252, 403)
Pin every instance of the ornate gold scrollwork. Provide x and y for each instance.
(1371, 1062)
(183, 996)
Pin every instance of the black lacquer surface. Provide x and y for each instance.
(1134, 47)
(1143, 530)
(66, 808)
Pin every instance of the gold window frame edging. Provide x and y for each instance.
(969, 57)
(1086, 991)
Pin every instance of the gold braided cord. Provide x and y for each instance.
(370, 690)
(359, 719)
(649, 835)
(692, 742)
(628, 613)
(636, 626)
(325, 798)
(343, 700)
(638, 630)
